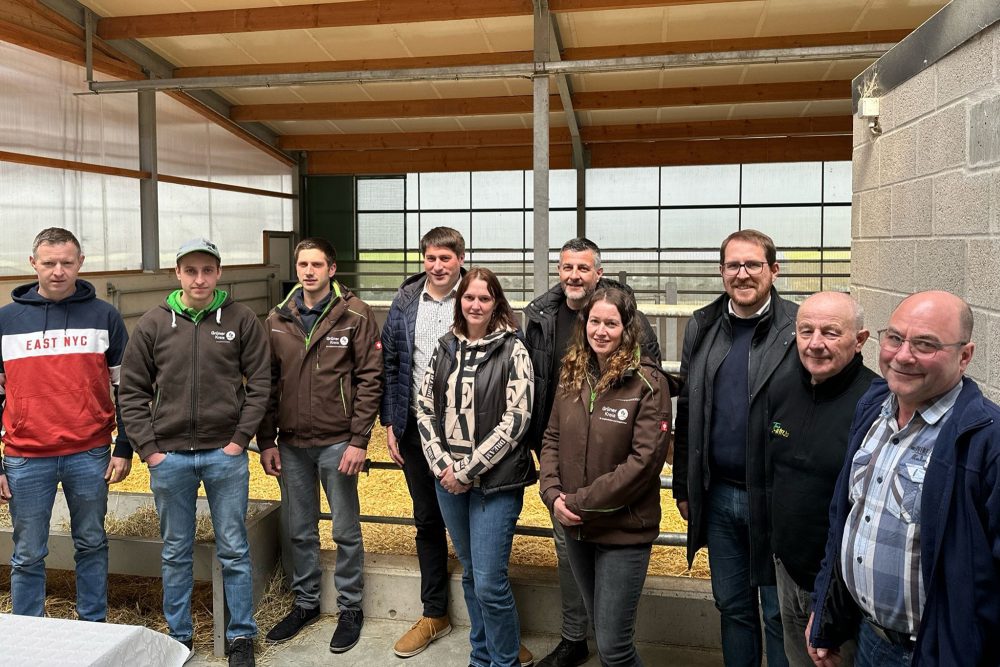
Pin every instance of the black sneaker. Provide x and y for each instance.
(289, 626)
(189, 645)
(241, 653)
(567, 653)
(348, 631)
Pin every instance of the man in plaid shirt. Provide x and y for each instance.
(913, 555)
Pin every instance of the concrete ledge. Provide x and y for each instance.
(674, 611)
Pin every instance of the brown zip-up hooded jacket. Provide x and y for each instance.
(182, 384)
(605, 452)
(326, 384)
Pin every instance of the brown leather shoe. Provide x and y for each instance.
(421, 634)
(524, 657)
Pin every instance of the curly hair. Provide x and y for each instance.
(579, 364)
(503, 315)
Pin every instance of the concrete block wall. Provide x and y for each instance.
(926, 205)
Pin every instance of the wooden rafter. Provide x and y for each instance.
(753, 127)
(517, 104)
(571, 53)
(661, 153)
(335, 15)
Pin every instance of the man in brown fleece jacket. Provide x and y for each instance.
(195, 382)
(326, 386)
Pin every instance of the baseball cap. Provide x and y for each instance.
(199, 245)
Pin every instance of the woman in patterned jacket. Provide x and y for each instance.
(473, 410)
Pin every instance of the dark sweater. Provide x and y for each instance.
(809, 430)
(730, 412)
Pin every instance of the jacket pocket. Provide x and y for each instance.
(170, 412)
(56, 416)
(221, 411)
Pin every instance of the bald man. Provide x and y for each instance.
(810, 418)
(913, 553)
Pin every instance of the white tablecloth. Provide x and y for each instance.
(26, 641)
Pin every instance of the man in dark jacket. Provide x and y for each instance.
(810, 420)
(912, 553)
(732, 349)
(326, 385)
(195, 384)
(422, 311)
(549, 322)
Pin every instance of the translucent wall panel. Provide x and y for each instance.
(234, 161)
(381, 194)
(697, 227)
(182, 140)
(444, 191)
(711, 184)
(498, 189)
(562, 188)
(837, 226)
(789, 227)
(380, 231)
(562, 228)
(499, 229)
(837, 182)
(234, 221)
(782, 183)
(459, 221)
(40, 115)
(607, 228)
(184, 214)
(103, 211)
(638, 186)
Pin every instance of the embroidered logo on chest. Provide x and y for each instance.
(337, 341)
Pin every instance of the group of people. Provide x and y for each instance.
(452, 378)
(858, 517)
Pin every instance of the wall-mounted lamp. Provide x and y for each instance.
(868, 108)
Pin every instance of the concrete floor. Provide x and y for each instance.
(311, 648)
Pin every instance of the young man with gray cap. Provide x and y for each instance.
(191, 417)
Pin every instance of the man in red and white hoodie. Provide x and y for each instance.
(59, 365)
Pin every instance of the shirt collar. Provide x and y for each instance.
(931, 413)
(300, 302)
(759, 312)
(427, 296)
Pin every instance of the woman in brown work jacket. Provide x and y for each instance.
(602, 454)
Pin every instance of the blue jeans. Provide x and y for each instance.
(482, 530)
(873, 651)
(737, 601)
(33, 490)
(174, 482)
(301, 467)
(611, 578)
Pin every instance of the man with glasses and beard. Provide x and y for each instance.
(733, 347)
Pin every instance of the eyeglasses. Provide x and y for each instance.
(733, 268)
(923, 348)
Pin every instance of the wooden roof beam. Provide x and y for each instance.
(716, 129)
(663, 153)
(571, 53)
(336, 15)
(521, 104)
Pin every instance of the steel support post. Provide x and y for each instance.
(148, 201)
(540, 152)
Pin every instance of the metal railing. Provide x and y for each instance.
(663, 539)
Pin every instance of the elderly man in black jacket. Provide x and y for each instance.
(810, 421)
(549, 322)
(732, 349)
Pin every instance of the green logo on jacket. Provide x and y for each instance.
(779, 430)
